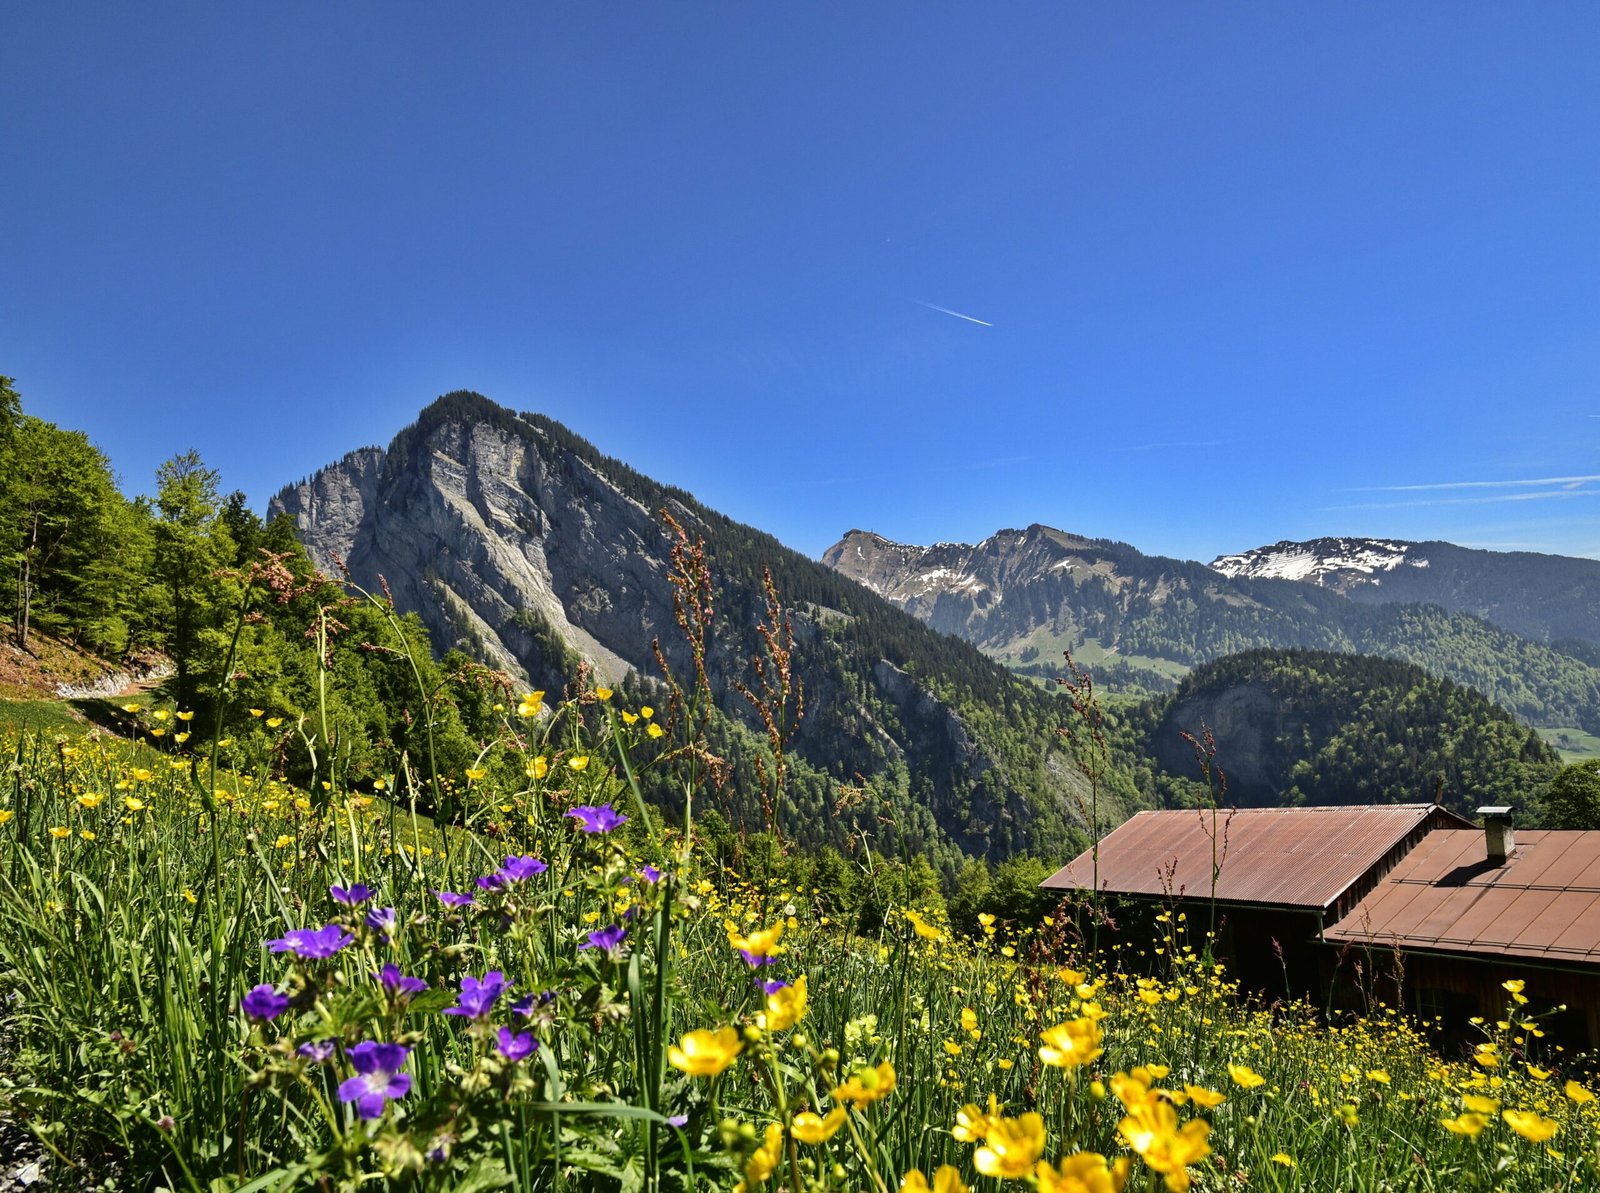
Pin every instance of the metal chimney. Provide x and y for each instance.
(1497, 833)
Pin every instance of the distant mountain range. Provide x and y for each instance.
(1545, 598)
(1024, 596)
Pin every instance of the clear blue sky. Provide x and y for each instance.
(1246, 271)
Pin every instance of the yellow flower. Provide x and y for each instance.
(1012, 1147)
(1085, 1172)
(256, 712)
(530, 704)
(1285, 1159)
(157, 732)
(1514, 986)
(647, 712)
(274, 722)
(538, 768)
(628, 718)
(1378, 1075)
(180, 738)
(1479, 1104)
(973, 1124)
(1529, 1125)
(1576, 1092)
(765, 1159)
(946, 1180)
(189, 896)
(142, 775)
(8, 813)
(763, 943)
(579, 762)
(161, 714)
(1151, 1129)
(1068, 1045)
(811, 1128)
(867, 1086)
(131, 707)
(923, 929)
(952, 1048)
(90, 800)
(283, 842)
(1468, 1124)
(1200, 1096)
(60, 833)
(474, 773)
(656, 730)
(1246, 1076)
(1487, 1055)
(186, 716)
(705, 1053)
(786, 1006)
(969, 1019)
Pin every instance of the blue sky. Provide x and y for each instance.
(1245, 272)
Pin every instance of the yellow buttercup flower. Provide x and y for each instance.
(1085, 1172)
(705, 1053)
(274, 722)
(1246, 1076)
(1378, 1075)
(814, 1129)
(1011, 1148)
(786, 1006)
(133, 803)
(474, 773)
(973, 1124)
(1576, 1092)
(763, 943)
(1200, 1096)
(602, 693)
(1285, 1159)
(1478, 1104)
(7, 813)
(765, 1159)
(969, 1019)
(530, 704)
(1532, 1127)
(60, 834)
(1068, 1045)
(867, 1086)
(90, 799)
(1467, 1123)
(656, 730)
(946, 1179)
(185, 716)
(579, 762)
(1151, 1129)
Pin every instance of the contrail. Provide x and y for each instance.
(948, 311)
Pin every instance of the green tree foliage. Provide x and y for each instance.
(192, 546)
(1573, 797)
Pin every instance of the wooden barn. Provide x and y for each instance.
(1407, 903)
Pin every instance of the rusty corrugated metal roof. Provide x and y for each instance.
(1445, 895)
(1281, 857)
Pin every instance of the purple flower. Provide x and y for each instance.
(378, 1077)
(679, 1120)
(400, 987)
(773, 986)
(311, 943)
(516, 1045)
(518, 868)
(385, 920)
(754, 961)
(318, 1052)
(490, 882)
(601, 819)
(530, 1004)
(650, 874)
(351, 896)
(264, 1003)
(476, 998)
(451, 899)
(607, 938)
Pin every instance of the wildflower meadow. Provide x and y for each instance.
(214, 980)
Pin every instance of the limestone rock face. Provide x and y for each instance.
(492, 536)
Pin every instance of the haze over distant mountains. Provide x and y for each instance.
(1024, 596)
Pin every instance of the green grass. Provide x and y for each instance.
(40, 716)
(1574, 745)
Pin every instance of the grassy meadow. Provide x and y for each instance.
(214, 981)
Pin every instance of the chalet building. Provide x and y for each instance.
(1407, 902)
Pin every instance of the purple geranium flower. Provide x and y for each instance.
(754, 961)
(531, 1004)
(451, 899)
(385, 920)
(607, 938)
(378, 1077)
(476, 998)
(311, 943)
(773, 986)
(516, 1045)
(351, 896)
(597, 819)
(400, 987)
(650, 874)
(679, 1120)
(490, 882)
(317, 1052)
(518, 868)
(264, 1003)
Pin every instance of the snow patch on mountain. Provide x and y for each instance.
(1342, 560)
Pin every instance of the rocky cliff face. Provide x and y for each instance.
(519, 542)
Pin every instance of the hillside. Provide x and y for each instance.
(1312, 727)
(518, 541)
(1023, 596)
